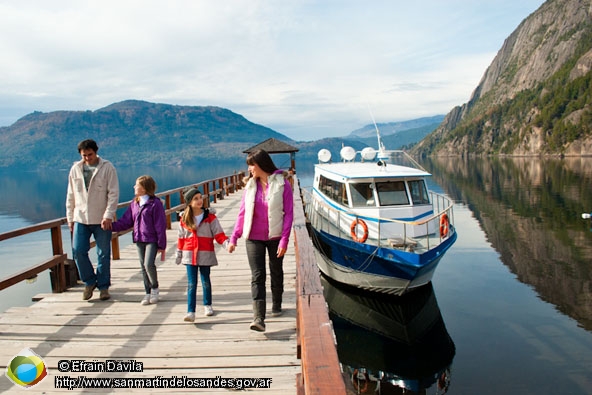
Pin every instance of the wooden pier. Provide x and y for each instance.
(62, 329)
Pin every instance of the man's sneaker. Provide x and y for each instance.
(146, 300)
(104, 295)
(154, 296)
(88, 291)
(208, 310)
(258, 325)
(190, 317)
(275, 313)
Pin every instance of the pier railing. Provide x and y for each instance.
(62, 268)
(316, 348)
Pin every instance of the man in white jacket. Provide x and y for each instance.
(91, 204)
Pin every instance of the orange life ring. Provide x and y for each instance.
(356, 379)
(353, 232)
(444, 225)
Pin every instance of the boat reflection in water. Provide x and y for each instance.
(390, 344)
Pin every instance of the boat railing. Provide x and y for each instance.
(402, 158)
(436, 228)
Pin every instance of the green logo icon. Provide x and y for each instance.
(26, 369)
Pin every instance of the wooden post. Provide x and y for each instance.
(206, 194)
(59, 272)
(214, 191)
(167, 205)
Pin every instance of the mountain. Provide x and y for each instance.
(138, 132)
(403, 138)
(396, 127)
(131, 132)
(536, 96)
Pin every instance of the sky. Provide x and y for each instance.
(306, 69)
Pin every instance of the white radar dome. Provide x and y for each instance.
(368, 153)
(347, 153)
(324, 155)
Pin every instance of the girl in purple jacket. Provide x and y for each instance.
(146, 215)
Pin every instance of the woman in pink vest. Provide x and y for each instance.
(265, 219)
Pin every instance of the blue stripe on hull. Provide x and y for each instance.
(384, 262)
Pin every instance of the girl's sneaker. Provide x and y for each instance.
(208, 310)
(146, 300)
(190, 317)
(154, 296)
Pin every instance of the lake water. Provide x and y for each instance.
(509, 310)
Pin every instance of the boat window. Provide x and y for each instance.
(362, 194)
(335, 190)
(419, 192)
(392, 193)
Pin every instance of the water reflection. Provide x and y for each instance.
(531, 210)
(41, 196)
(390, 344)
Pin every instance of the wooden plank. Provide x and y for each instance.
(136, 348)
(319, 356)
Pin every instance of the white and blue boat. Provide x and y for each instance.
(374, 224)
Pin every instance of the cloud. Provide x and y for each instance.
(304, 68)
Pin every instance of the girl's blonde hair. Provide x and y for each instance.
(148, 184)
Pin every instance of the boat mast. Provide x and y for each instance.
(382, 155)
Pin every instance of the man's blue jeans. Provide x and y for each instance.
(206, 285)
(81, 246)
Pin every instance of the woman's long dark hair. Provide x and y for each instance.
(263, 160)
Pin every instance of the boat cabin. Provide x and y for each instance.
(377, 194)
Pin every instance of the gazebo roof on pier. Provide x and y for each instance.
(272, 146)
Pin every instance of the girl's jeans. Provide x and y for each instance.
(147, 254)
(206, 285)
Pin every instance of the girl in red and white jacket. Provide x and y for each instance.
(198, 229)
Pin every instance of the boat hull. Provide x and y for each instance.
(377, 269)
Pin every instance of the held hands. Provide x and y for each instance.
(106, 224)
(231, 247)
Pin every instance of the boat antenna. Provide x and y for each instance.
(381, 149)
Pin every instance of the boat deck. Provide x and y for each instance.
(63, 327)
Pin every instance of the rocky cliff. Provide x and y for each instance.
(534, 98)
